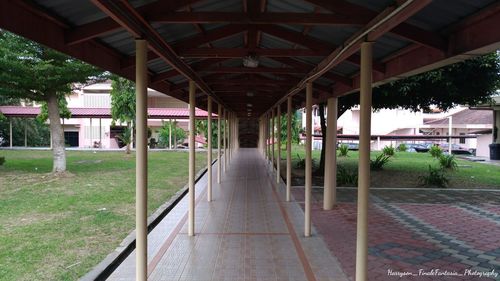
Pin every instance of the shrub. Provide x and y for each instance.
(346, 177)
(435, 177)
(343, 150)
(379, 162)
(435, 151)
(388, 150)
(301, 163)
(2, 160)
(448, 162)
(402, 147)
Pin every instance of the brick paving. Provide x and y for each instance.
(415, 231)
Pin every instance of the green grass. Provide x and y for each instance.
(58, 228)
(404, 169)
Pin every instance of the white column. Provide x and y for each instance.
(170, 134)
(278, 130)
(364, 161)
(10, 132)
(219, 157)
(192, 105)
(141, 163)
(91, 133)
(100, 132)
(209, 149)
(330, 185)
(289, 149)
(272, 140)
(308, 171)
(225, 140)
(25, 132)
(450, 132)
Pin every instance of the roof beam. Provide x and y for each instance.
(296, 37)
(251, 70)
(241, 52)
(131, 20)
(106, 25)
(193, 42)
(382, 23)
(171, 73)
(404, 30)
(257, 18)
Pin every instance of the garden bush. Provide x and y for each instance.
(388, 150)
(435, 177)
(343, 150)
(448, 162)
(379, 162)
(402, 147)
(346, 177)
(435, 151)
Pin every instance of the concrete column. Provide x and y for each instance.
(289, 149)
(229, 140)
(308, 171)
(91, 133)
(225, 140)
(192, 133)
(170, 134)
(100, 132)
(266, 137)
(10, 133)
(141, 162)
(496, 124)
(219, 158)
(450, 132)
(364, 161)
(330, 185)
(278, 130)
(25, 132)
(209, 149)
(272, 139)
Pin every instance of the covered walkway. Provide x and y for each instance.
(248, 232)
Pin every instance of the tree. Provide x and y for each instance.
(32, 71)
(123, 106)
(178, 134)
(469, 82)
(295, 127)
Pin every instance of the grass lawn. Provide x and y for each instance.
(405, 168)
(58, 228)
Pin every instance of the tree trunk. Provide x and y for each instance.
(57, 134)
(129, 141)
(321, 168)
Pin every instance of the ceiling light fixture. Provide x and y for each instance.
(251, 61)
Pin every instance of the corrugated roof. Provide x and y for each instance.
(466, 116)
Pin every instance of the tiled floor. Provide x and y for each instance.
(247, 232)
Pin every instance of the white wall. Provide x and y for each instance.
(483, 142)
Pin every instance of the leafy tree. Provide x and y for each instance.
(32, 71)
(123, 106)
(469, 82)
(295, 127)
(178, 134)
(202, 128)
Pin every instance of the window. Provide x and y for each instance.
(462, 140)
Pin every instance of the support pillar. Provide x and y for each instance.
(170, 134)
(192, 92)
(10, 133)
(100, 132)
(91, 133)
(209, 149)
(450, 132)
(225, 140)
(25, 132)
(278, 131)
(364, 161)
(272, 140)
(141, 163)
(308, 171)
(330, 185)
(289, 149)
(219, 157)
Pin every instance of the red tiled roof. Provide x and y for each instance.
(81, 112)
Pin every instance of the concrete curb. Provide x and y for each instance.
(106, 267)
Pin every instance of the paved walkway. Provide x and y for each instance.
(247, 233)
(416, 230)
